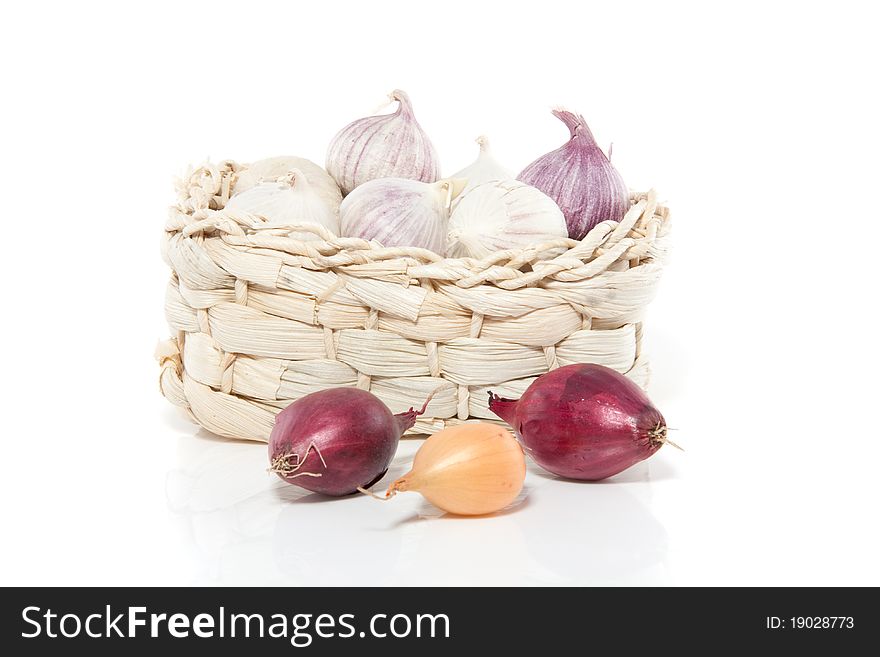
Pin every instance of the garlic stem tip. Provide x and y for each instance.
(401, 97)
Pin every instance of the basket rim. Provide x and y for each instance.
(200, 213)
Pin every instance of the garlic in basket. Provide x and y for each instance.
(400, 212)
(272, 168)
(502, 214)
(484, 168)
(580, 178)
(384, 146)
(290, 199)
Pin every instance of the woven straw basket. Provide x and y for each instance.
(262, 319)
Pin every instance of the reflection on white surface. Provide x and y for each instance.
(245, 526)
(608, 537)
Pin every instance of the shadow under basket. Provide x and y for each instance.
(261, 319)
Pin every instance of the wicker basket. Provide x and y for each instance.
(262, 319)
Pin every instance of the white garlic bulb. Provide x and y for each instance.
(289, 200)
(484, 169)
(272, 168)
(498, 215)
(385, 146)
(400, 212)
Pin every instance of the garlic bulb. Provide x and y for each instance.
(499, 215)
(273, 168)
(385, 146)
(400, 212)
(470, 469)
(288, 200)
(578, 176)
(484, 169)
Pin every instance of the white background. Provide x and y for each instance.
(758, 126)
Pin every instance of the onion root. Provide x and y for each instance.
(287, 464)
(659, 436)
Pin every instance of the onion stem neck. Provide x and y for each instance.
(370, 493)
(407, 419)
(503, 408)
(397, 486)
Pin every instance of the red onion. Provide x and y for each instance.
(336, 440)
(578, 176)
(584, 421)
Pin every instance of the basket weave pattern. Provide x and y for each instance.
(262, 319)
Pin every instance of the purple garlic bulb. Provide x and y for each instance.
(578, 176)
(384, 146)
